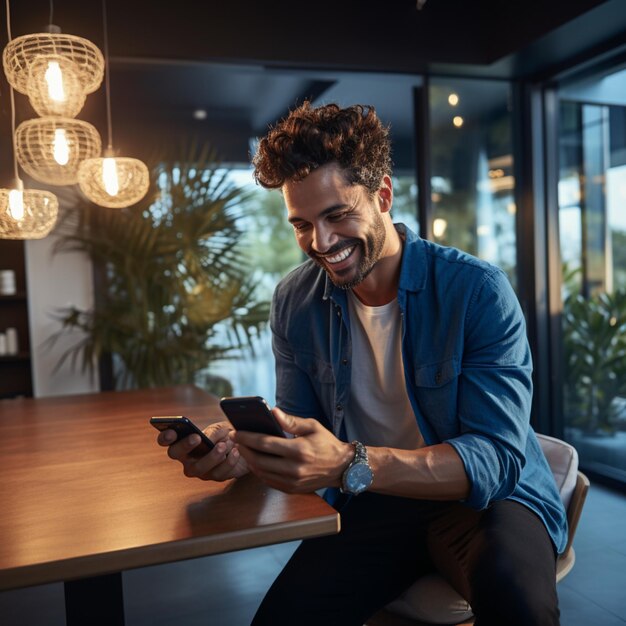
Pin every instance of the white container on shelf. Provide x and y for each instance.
(3, 344)
(12, 346)
(7, 282)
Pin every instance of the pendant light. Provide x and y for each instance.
(24, 214)
(56, 71)
(111, 181)
(51, 149)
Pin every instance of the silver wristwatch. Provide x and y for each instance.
(358, 475)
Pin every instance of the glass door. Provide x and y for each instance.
(592, 228)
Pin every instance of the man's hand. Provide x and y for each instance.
(312, 460)
(222, 463)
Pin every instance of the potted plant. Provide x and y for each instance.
(176, 288)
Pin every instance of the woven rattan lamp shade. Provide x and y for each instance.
(39, 215)
(133, 180)
(46, 73)
(20, 53)
(35, 142)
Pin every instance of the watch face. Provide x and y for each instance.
(358, 478)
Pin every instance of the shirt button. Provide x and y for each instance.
(438, 376)
(339, 407)
(345, 361)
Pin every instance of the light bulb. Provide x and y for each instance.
(54, 80)
(439, 227)
(16, 204)
(109, 176)
(60, 148)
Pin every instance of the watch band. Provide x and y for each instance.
(360, 453)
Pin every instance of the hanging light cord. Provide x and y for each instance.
(12, 98)
(8, 21)
(106, 74)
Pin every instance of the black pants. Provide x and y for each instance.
(500, 559)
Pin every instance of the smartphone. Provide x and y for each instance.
(183, 427)
(251, 413)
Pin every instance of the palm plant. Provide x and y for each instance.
(594, 340)
(176, 290)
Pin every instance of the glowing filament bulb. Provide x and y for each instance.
(61, 149)
(54, 79)
(109, 176)
(16, 204)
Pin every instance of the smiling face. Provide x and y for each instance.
(340, 226)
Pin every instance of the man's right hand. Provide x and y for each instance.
(222, 463)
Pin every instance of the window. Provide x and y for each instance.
(592, 228)
(472, 169)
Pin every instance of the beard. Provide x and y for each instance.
(370, 248)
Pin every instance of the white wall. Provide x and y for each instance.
(54, 282)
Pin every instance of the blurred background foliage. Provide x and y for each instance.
(176, 289)
(594, 344)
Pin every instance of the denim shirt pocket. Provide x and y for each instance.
(322, 378)
(436, 392)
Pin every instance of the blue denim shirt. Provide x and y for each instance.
(467, 368)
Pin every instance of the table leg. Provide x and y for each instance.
(97, 601)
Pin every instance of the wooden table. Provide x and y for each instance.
(85, 493)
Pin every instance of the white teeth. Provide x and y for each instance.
(344, 254)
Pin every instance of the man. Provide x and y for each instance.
(404, 372)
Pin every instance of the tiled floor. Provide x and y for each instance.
(224, 590)
(595, 590)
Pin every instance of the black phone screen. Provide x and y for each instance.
(184, 427)
(251, 413)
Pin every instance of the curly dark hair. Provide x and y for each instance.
(309, 137)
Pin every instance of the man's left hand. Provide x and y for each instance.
(313, 459)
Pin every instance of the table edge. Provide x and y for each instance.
(144, 556)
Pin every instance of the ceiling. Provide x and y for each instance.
(247, 63)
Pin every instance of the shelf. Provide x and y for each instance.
(20, 296)
(16, 375)
(20, 356)
(15, 395)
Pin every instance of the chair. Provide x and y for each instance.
(432, 601)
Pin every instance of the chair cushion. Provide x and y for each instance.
(563, 461)
(431, 599)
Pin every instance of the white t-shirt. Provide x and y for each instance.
(379, 412)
